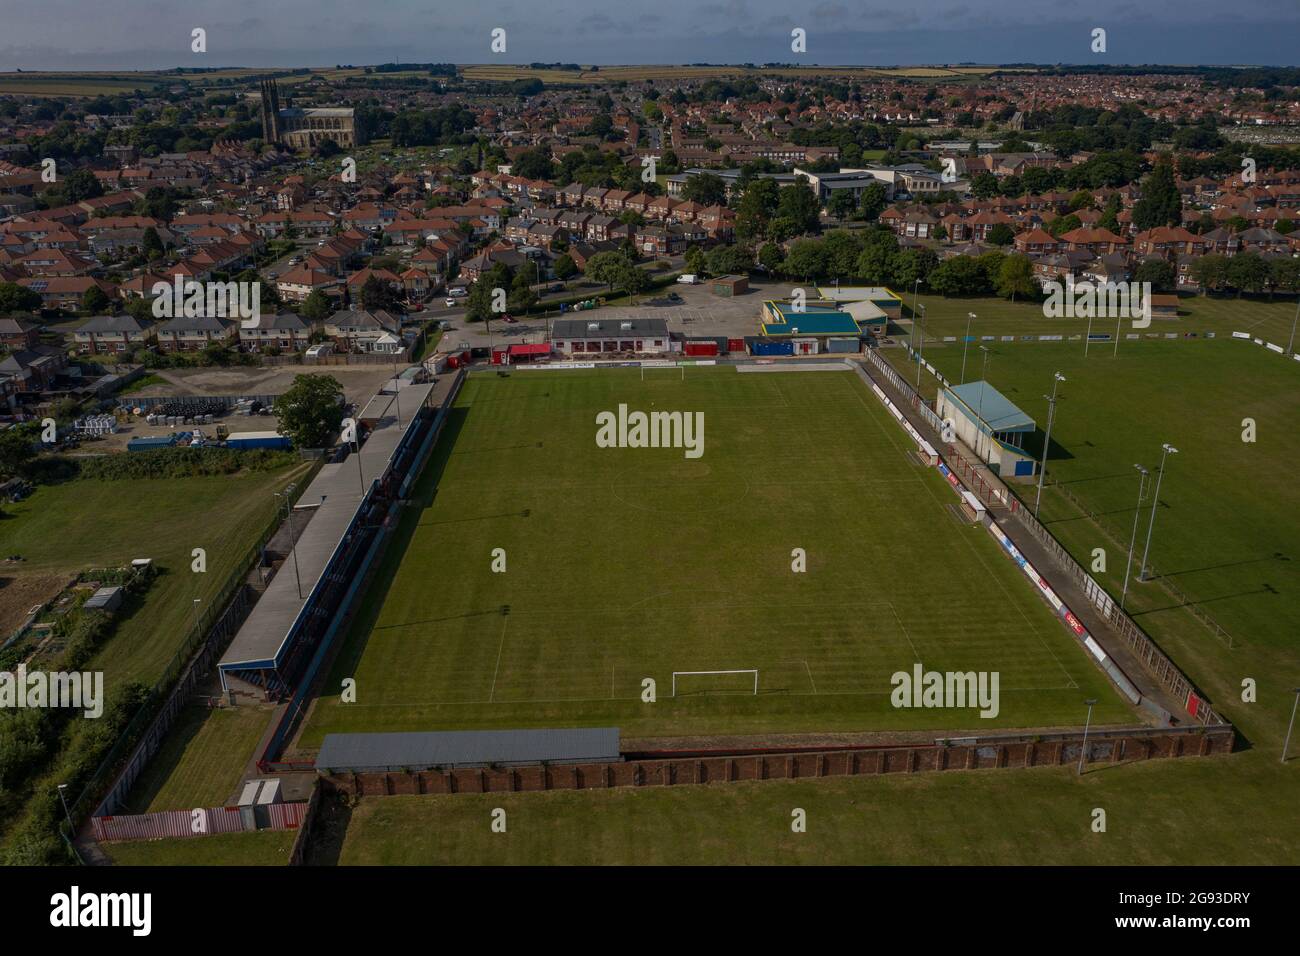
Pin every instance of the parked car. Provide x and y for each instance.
(450, 302)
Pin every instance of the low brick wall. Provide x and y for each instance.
(1056, 750)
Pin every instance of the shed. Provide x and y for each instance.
(105, 599)
(727, 286)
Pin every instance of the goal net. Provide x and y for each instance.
(715, 682)
(668, 371)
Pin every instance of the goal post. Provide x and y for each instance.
(677, 674)
(666, 366)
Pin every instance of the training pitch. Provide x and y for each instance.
(623, 564)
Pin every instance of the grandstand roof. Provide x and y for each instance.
(336, 494)
(466, 748)
(997, 411)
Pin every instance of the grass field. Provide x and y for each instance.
(624, 564)
(998, 317)
(1228, 516)
(264, 848)
(202, 759)
(1190, 811)
(86, 523)
(89, 523)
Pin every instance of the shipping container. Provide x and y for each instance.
(762, 347)
(248, 440)
(843, 345)
(701, 348)
(156, 441)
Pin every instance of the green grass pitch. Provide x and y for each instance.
(623, 564)
(1229, 512)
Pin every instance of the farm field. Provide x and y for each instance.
(624, 564)
(1227, 519)
(605, 74)
(1190, 811)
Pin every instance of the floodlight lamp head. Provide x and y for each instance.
(1170, 449)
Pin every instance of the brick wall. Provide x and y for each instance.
(1050, 750)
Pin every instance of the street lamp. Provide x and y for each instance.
(1137, 512)
(1057, 379)
(63, 799)
(984, 377)
(1291, 341)
(1155, 503)
(397, 398)
(198, 625)
(965, 347)
(1083, 751)
(916, 292)
(920, 350)
(1287, 743)
(293, 541)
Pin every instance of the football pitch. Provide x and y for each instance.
(537, 579)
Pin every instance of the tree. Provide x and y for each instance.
(80, 185)
(311, 410)
(1161, 203)
(769, 257)
(1016, 277)
(1158, 272)
(1210, 271)
(1284, 274)
(806, 259)
(316, 307)
(377, 295)
(534, 164)
(799, 204)
(1001, 235)
(1247, 272)
(707, 189)
(842, 205)
(729, 260)
(960, 275)
(695, 261)
(984, 186)
(565, 268)
(17, 447)
(151, 244)
(16, 298)
(94, 300)
(909, 265)
(756, 207)
(874, 199)
(1063, 224)
(478, 304)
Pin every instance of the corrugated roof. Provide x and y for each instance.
(998, 411)
(421, 750)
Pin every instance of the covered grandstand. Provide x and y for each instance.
(347, 502)
(990, 424)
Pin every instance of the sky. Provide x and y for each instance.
(155, 34)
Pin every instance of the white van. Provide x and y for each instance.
(689, 278)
